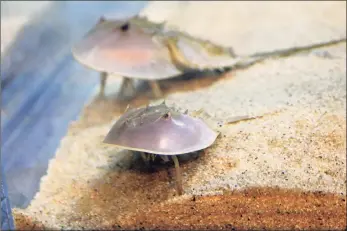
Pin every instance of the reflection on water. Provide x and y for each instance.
(42, 86)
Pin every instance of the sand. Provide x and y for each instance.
(251, 27)
(285, 169)
(251, 209)
(299, 144)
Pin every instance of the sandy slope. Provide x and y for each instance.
(299, 145)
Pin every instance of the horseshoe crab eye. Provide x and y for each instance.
(125, 27)
(166, 115)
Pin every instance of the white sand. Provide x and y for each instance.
(251, 27)
(300, 143)
(301, 146)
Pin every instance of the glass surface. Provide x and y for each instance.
(42, 87)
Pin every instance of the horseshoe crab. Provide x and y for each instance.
(126, 48)
(163, 131)
(136, 48)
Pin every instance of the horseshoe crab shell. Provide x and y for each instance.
(192, 52)
(127, 48)
(160, 130)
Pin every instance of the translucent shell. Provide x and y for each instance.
(160, 130)
(126, 48)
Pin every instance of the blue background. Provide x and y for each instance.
(43, 90)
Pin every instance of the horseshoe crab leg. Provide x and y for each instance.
(103, 78)
(145, 158)
(156, 89)
(130, 85)
(178, 175)
(127, 84)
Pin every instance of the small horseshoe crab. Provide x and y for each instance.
(126, 48)
(163, 131)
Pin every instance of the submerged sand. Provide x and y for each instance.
(288, 164)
